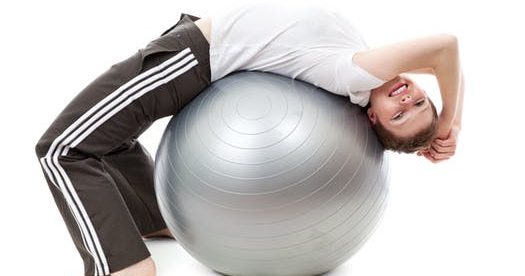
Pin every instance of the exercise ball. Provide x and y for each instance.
(266, 175)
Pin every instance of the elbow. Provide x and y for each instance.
(448, 42)
(447, 49)
(444, 49)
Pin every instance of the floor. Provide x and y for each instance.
(171, 259)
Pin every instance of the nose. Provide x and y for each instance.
(406, 99)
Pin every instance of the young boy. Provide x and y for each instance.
(102, 178)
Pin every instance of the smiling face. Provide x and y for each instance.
(401, 106)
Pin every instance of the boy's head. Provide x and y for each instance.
(402, 115)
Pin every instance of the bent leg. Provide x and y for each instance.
(114, 109)
(99, 222)
(132, 169)
(95, 122)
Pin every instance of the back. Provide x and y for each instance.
(309, 43)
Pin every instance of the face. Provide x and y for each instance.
(401, 106)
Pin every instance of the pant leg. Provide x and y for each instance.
(132, 168)
(115, 108)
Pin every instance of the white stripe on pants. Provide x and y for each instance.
(87, 123)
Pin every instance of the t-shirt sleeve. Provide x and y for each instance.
(354, 81)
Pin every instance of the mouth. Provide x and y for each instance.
(398, 89)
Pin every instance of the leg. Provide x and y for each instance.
(132, 169)
(145, 267)
(163, 233)
(99, 222)
(116, 108)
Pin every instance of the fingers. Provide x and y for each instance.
(440, 155)
(442, 152)
(441, 149)
(451, 140)
(432, 158)
(427, 155)
(444, 142)
(438, 152)
(438, 149)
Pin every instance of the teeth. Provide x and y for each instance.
(399, 90)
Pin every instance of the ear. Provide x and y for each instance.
(371, 116)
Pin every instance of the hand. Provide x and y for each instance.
(442, 148)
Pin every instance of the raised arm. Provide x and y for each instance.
(437, 55)
(444, 148)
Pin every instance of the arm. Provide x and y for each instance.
(459, 109)
(437, 54)
(443, 149)
(428, 71)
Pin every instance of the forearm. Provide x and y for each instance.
(459, 109)
(448, 75)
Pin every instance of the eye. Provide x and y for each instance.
(398, 116)
(420, 102)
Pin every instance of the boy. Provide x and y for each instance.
(102, 178)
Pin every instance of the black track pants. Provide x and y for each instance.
(100, 176)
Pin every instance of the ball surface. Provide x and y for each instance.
(265, 175)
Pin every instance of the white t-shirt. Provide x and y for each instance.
(309, 43)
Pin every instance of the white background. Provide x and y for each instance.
(461, 217)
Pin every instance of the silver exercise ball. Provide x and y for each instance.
(265, 175)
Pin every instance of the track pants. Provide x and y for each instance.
(100, 176)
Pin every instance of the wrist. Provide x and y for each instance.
(446, 117)
(456, 120)
(457, 125)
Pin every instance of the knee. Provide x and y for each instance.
(42, 146)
